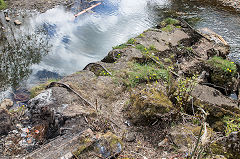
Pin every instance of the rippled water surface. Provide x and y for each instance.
(62, 44)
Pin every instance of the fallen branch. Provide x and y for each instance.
(58, 84)
(92, 65)
(85, 10)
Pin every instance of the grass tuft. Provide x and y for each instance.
(168, 28)
(3, 5)
(224, 65)
(146, 73)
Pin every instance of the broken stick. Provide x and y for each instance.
(85, 10)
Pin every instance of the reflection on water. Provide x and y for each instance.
(87, 38)
(74, 42)
(18, 53)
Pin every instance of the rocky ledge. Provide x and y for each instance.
(170, 92)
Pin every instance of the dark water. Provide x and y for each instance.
(56, 44)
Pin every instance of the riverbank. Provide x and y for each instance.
(40, 5)
(149, 97)
(231, 3)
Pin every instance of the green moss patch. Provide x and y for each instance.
(148, 104)
(122, 46)
(169, 21)
(223, 65)
(232, 124)
(144, 73)
(222, 72)
(39, 88)
(3, 5)
(146, 50)
(125, 45)
(168, 28)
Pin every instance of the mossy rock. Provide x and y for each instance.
(228, 147)
(169, 21)
(216, 115)
(222, 72)
(215, 104)
(148, 104)
(105, 145)
(109, 145)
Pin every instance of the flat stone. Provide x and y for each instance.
(63, 146)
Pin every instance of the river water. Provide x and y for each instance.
(57, 44)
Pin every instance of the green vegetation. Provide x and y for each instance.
(148, 103)
(141, 48)
(18, 110)
(222, 72)
(125, 45)
(169, 24)
(222, 64)
(39, 88)
(144, 73)
(131, 41)
(184, 88)
(169, 21)
(3, 5)
(189, 49)
(122, 46)
(144, 49)
(140, 35)
(167, 60)
(152, 47)
(104, 73)
(167, 28)
(193, 20)
(232, 124)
